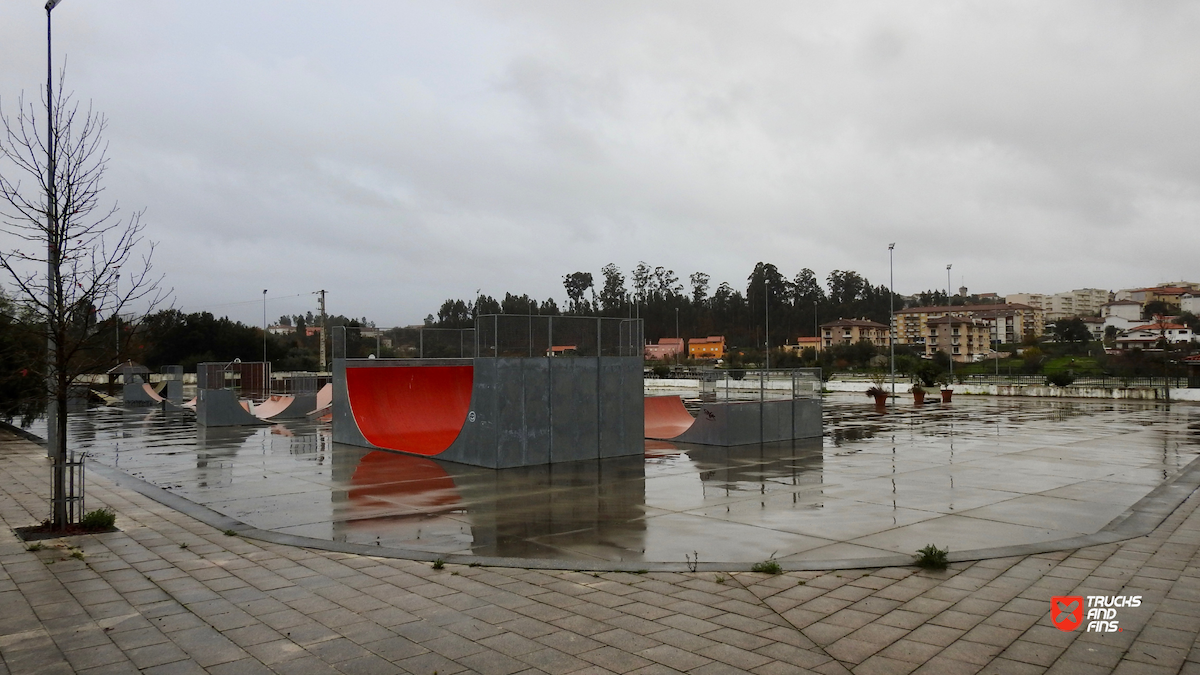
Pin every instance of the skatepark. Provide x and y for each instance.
(983, 476)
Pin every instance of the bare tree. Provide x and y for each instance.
(67, 252)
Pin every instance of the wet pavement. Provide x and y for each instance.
(980, 473)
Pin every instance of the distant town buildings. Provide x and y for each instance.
(1149, 336)
(1079, 302)
(1007, 322)
(851, 331)
(667, 348)
(711, 347)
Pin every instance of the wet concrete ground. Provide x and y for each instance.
(979, 473)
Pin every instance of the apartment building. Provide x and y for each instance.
(850, 331)
(1008, 322)
(1036, 300)
(965, 339)
(1078, 302)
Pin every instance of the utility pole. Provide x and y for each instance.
(322, 303)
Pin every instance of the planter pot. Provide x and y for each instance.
(946, 394)
(918, 397)
(881, 400)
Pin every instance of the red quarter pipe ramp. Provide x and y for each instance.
(419, 410)
(666, 418)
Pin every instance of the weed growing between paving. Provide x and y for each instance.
(932, 558)
(768, 566)
(99, 519)
(439, 564)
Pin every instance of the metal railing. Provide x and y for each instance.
(517, 335)
(756, 384)
(1080, 381)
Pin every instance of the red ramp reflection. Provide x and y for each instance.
(387, 483)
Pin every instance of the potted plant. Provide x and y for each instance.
(918, 393)
(947, 392)
(877, 391)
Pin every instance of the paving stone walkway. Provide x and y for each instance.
(168, 594)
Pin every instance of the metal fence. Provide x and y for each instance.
(757, 384)
(250, 377)
(517, 335)
(1103, 382)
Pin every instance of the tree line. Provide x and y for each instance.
(793, 307)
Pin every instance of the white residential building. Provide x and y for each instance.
(1123, 314)
(1147, 336)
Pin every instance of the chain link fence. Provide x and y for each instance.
(516, 335)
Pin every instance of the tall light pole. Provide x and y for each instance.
(266, 377)
(949, 327)
(677, 334)
(892, 317)
(56, 445)
(766, 319)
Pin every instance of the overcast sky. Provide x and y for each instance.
(400, 153)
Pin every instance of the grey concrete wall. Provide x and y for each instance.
(531, 411)
(745, 422)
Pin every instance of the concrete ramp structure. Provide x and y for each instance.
(731, 423)
(507, 405)
(324, 407)
(221, 408)
(285, 407)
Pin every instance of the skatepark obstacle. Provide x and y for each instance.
(508, 403)
(739, 408)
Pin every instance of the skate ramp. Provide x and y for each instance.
(418, 409)
(285, 407)
(324, 404)
(221, 408)
(666, 418)
(732, 423)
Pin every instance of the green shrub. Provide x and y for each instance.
(1060, 379)
(661, 372)
(100, 519)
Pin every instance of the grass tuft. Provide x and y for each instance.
(100, 519)
(932, 558)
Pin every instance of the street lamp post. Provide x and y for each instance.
(892, 319)
(266, 377)
(949, 327)
(766, 320)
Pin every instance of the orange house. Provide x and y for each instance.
(711, 347)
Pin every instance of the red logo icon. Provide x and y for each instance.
(1066, 611)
